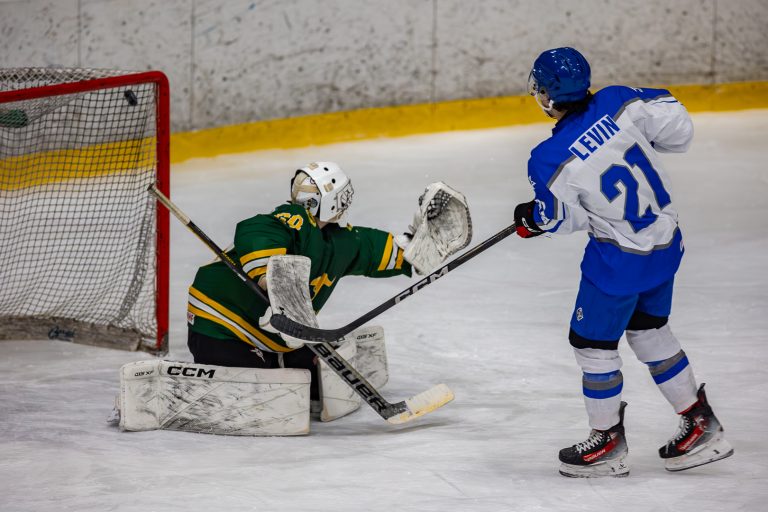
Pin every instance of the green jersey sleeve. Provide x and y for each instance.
(374, 253)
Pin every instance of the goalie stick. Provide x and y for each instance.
(400, 412)
(306, 332)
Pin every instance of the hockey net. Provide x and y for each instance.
(83, 245)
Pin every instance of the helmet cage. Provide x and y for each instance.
(304, 192)
(540, 94)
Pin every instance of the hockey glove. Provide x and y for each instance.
(264, 325)
(525, 226)
(441, 226)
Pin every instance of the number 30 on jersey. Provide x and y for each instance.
(292, 221)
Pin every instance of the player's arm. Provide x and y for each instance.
(662, 119)
(441, 227)
(357, 250)
(375, 253)
(548, 212)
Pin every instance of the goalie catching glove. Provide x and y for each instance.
(441, 227)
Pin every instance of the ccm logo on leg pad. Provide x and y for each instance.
(189, 371)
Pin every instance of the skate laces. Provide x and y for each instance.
(683, 429)
(595, 438)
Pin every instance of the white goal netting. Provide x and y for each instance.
(78, 253)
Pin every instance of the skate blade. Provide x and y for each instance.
(612, 468)
(717, 449)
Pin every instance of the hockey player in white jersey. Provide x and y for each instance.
(600, 172)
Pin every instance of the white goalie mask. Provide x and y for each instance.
(324, 190)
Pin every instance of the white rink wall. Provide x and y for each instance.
(236, 61)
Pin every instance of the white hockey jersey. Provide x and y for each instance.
(600, 172)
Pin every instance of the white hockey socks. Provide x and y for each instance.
(668, 364)
(602, 383)
(602, 398)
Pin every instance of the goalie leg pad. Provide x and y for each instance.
(338, 398)
(211, 399)
(288, 285)
(371, 357)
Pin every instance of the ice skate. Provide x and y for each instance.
(604, 453)
(699, 440)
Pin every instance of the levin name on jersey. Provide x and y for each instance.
(595, 136)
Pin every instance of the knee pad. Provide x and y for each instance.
(650, 345)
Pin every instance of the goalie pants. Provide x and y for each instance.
(233, 352)
(597, 324)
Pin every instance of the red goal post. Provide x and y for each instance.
(84, 248)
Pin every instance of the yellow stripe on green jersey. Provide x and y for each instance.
(387, 254)
(255, 263)
(392, 259)
(204, 314)
(232, 321)
(399, 260)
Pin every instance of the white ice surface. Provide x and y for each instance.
(494, 330)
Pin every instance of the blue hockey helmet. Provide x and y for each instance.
(562, 73)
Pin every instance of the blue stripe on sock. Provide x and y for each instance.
(603, 393)
(600, 377)
(674, 370)
(602, 385)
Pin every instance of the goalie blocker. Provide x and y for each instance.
(243, 401)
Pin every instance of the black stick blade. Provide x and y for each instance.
(304, 332)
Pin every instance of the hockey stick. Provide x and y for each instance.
(305, 332)
(400, 412)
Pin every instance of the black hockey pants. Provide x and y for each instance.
(233, 352)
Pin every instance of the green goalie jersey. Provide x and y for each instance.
(221, 305)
